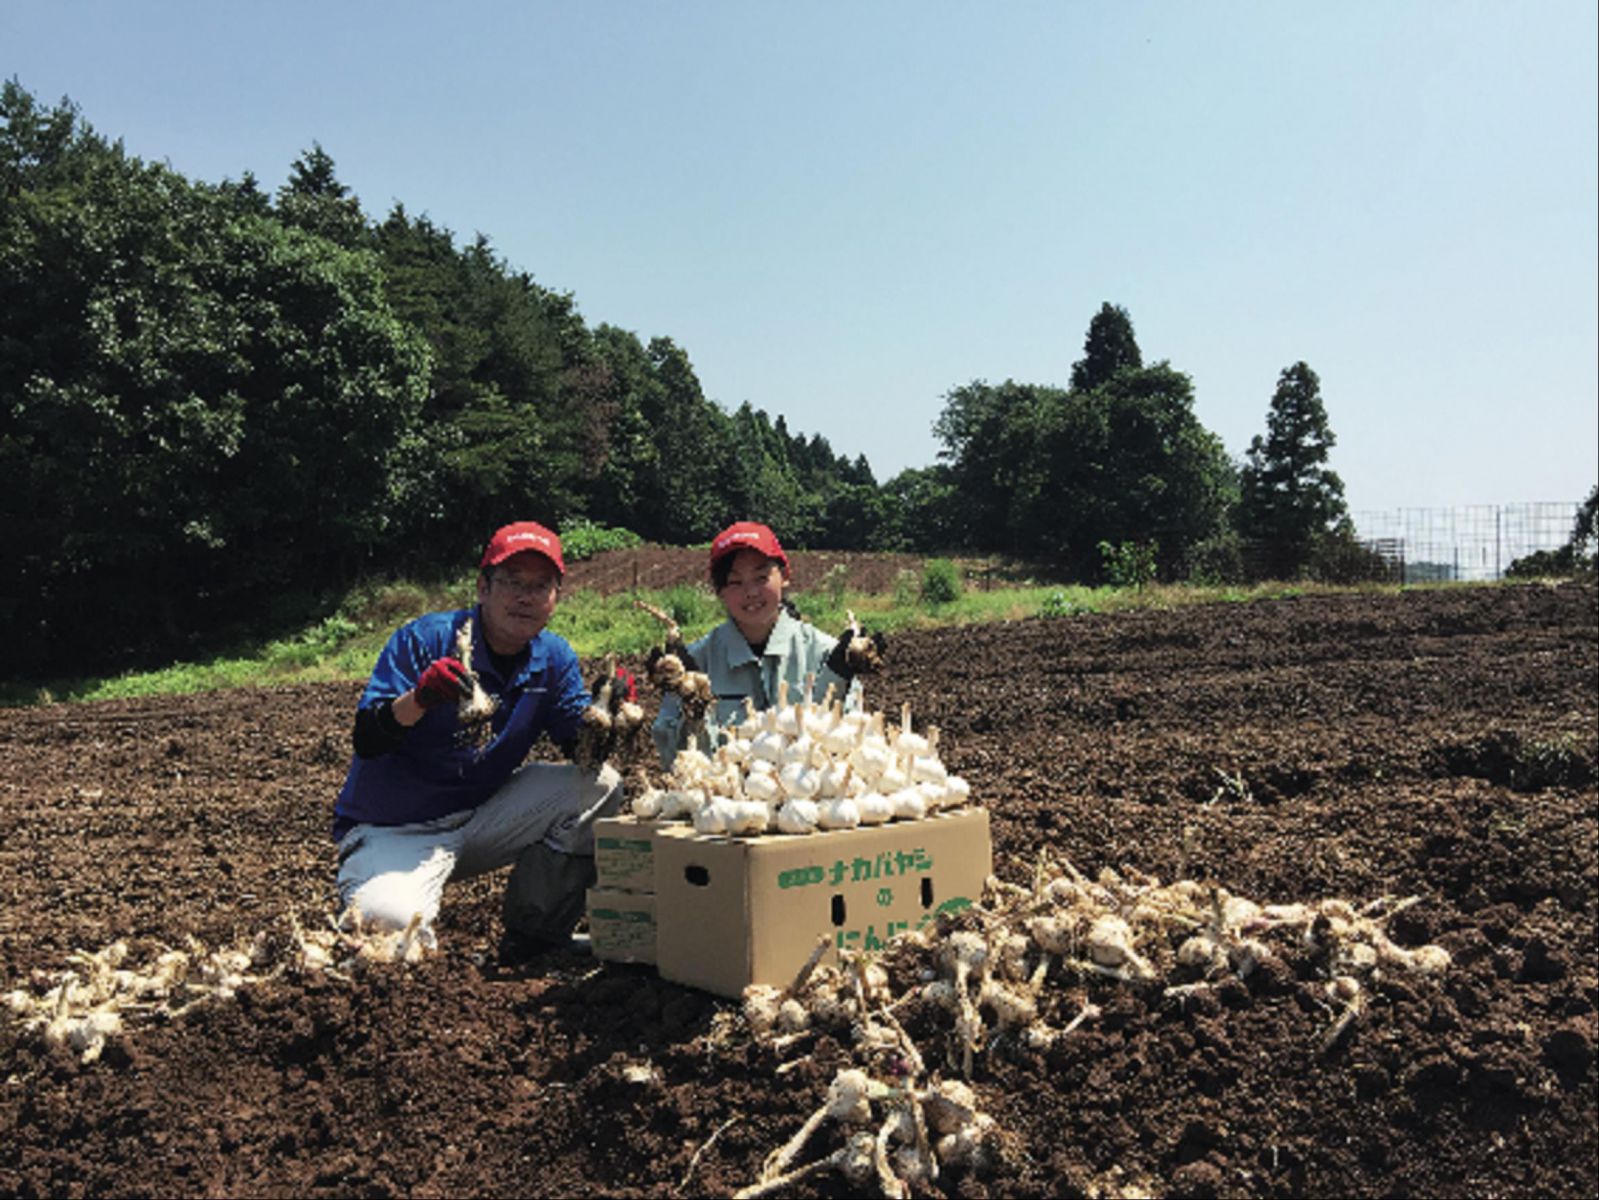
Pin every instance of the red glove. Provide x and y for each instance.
(444, 680)
(629, 684)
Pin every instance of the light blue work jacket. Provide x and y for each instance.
(793, 651)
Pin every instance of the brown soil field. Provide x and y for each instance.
(1440, 744)
(669, 566)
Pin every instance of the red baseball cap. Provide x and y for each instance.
(747, 535)
(522, 536)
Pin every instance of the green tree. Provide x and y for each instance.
(1126, 463)
(522, 404)
(987, 433)
(314, 200)
(1109, 348)
(922, 511)
(1584, 540)
(1288, 498)
(198, 402)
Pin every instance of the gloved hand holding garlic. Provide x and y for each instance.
(800, 767)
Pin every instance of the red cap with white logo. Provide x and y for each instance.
(520, 537)
(747, 535)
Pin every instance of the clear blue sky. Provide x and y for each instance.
(842, 211)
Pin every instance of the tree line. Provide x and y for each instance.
(217, 401)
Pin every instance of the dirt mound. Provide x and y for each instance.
(1440, 744)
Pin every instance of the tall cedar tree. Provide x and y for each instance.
(1288, 498)
(1109, 348)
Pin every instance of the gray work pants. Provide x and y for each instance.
(540, 823)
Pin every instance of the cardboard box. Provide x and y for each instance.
(624, 851)
(622, 925)
(736, 911)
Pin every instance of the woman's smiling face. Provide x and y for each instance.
(753, 594)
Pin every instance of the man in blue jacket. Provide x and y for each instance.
(438, 788)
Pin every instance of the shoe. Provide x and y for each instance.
(520, 949)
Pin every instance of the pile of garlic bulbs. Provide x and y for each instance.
(802, 767)
(91, 1001)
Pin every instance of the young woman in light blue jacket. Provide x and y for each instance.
(762, 644)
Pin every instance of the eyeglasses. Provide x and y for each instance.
(531, 588)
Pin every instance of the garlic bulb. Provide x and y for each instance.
(838, 813)
(870, 761)
(833, 780)
(748, 817)
(909, 804)
(843, 736)
(646, 806)
(690, 762)
(818, 720)
(752, 724)
(786, 718)
(799, 779)
(800, 750)
(763, 786)
(715, 817)
(875, 808)
(909, 742)
(767, 746)
(797, 816)
(894, 778)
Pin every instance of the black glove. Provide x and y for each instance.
(857, 654)
(667, 667)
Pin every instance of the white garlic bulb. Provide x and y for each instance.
(838, 813)
(797, 816)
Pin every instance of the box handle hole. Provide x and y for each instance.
(838, 910)
(927, 892)
(698, 876)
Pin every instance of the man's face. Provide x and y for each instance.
(518, 600)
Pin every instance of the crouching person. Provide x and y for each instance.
(438, 789)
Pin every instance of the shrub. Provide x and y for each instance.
(385, 605)
(833, 583)
(585, 539)
(1215, 561)
(1338, 556)
(690, 605)
(905, 588)
(1059, 604)
(941, 581)
(1541, 563)
(1129, 564)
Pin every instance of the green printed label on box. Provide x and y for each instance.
(624, 861)
(883, 865)
(611, 914)
(620, 844)
(874, 937)
(622, 925)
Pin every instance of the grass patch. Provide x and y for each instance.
(344, 646)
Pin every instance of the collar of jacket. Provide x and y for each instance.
(537, 653)
(776, 642)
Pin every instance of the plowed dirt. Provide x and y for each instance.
(1436, 743)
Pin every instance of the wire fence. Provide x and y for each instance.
(1472, 542)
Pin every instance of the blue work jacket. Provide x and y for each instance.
(442, 766)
